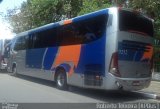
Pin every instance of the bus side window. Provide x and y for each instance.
(27, 42)
(92, 28)
(30, 41)
(68, 35)
(16, 45)
(36, 41)
(44, 39)
(20, 44)
(84, 31)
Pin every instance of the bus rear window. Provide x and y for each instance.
(129, 21)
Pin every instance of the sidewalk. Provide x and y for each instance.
(156, 76)
(155, 84)
(153, 88)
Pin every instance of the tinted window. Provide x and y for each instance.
(20, 43)
(47, 38)
(83, 31)
(129, 21)
(80, 32)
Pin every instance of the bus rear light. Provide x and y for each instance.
(113, 68)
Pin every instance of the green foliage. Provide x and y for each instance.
(93, 5)
(151, 8)
(35, 13)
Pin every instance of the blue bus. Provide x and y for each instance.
(109, 49)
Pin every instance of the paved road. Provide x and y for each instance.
(23, 89)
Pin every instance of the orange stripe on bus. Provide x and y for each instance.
(148, 54)
(67, 21)
(68, 54)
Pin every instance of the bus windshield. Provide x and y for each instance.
(134, 22)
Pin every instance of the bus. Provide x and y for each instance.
(4, 53)
(110, 49)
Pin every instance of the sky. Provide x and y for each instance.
(5, 31)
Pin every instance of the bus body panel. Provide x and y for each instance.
(79, 61)
(91, 62)
(132, 59)
(87, 63)
(111, 47)
(134, 51)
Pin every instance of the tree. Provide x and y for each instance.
(118, 2)
(35, 13)
(93, 5)
(151, 8)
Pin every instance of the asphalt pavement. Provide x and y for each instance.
(38, 92)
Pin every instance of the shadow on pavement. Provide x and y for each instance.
(102, 95)
(3, 71)
(109, 96)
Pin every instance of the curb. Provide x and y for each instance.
(157, 80)
(149, 95)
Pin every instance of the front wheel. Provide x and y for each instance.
(61, 80)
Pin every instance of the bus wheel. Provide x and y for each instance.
(61, 80)
(14, 71)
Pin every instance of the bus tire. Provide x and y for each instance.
(14, 71)
(61, 79)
